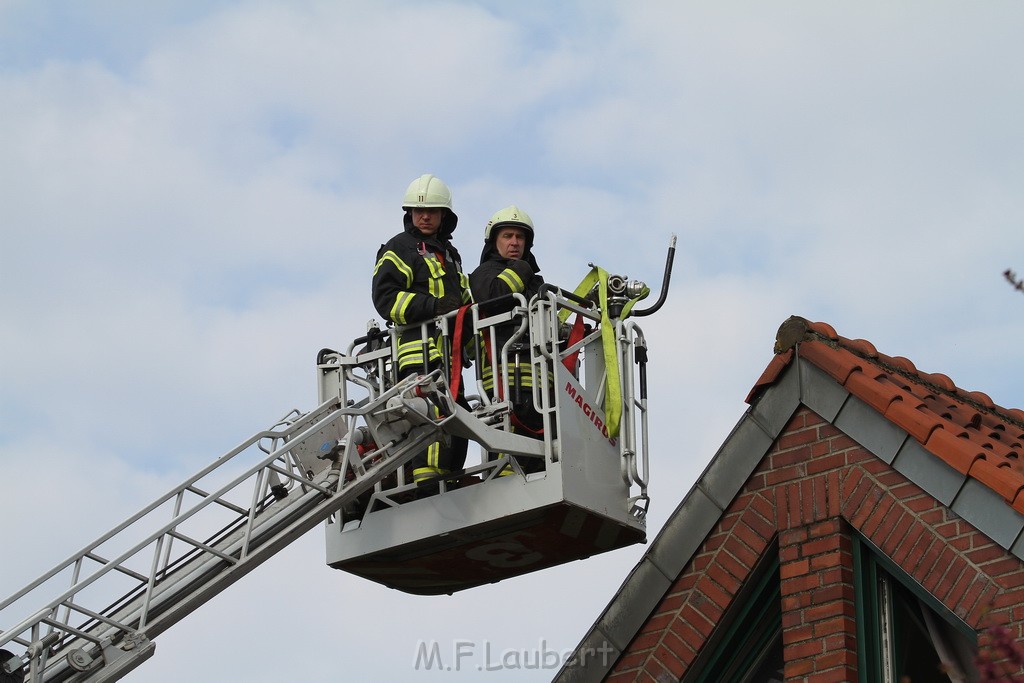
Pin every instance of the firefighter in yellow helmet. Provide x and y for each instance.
(507, 266)
(419, 276)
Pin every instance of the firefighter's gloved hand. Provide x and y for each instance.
(449, 303)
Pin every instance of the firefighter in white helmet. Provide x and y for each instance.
(419, 276)
(507, 266)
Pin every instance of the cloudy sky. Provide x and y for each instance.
(192, 194)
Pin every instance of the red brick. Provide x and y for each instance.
(841, 624)
(887, 477)
(835, 658)
(868, 505)
(787, 506)
(686, 581)
(658, 622)
(806, 582)
(697, 620)
(743, 553)
(827, 560)
(678, 647)
(755, 531)
(840, 675)
(790, 440)
(621, 664)
(797, 422)
(933, 517)
(794, 670)
(823, 611)
(669, 605)
(757, 482)
(765, 508)
(783, 474)
(789, 553)
(897, 533)
(820, 545)
(820, 497)
(654, 670)
(967, 578)
(835, 500)
(1004, 569)
(926, 566)
(875, 467)
(796, 631)
(920, 504)
(626, 664)
(646, 642)
(667, 659)
(977, 599)
(826, 527)
(917, 530)
(788, 458)
(946, 558)
(723, 572)
(952, 574)
(750, 538)
(689, 635)
(833, 575)
(853, 482)
(793, 536)
(713, 592)
(823, 459)
(874, 527)
(984, 553)
(841, 641)
(832, 592)
(802, 649)
(845, 443)
(792, 569)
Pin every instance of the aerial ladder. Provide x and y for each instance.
(344, 464)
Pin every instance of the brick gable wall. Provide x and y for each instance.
(813, 486)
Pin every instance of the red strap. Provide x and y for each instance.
(516, 422)
(455, 380)
(575, 334)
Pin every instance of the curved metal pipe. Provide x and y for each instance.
(664, 283)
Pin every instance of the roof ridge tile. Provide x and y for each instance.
(965, 429)
(956, 450)
(998, 477)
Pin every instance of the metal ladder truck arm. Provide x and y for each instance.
(105, 605)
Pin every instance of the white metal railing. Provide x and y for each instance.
(537, 329)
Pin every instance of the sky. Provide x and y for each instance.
(192, 195)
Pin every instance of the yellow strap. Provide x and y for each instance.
(613, 392)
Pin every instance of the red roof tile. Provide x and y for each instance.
(963, 428)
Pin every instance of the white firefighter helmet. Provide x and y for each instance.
(427, 192)
(511, 216)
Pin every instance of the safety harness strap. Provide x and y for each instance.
(456, 365)
(613, 395)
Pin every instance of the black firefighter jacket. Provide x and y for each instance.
(412, 273)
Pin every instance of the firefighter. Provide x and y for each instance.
(507, 266)
(418, 277)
